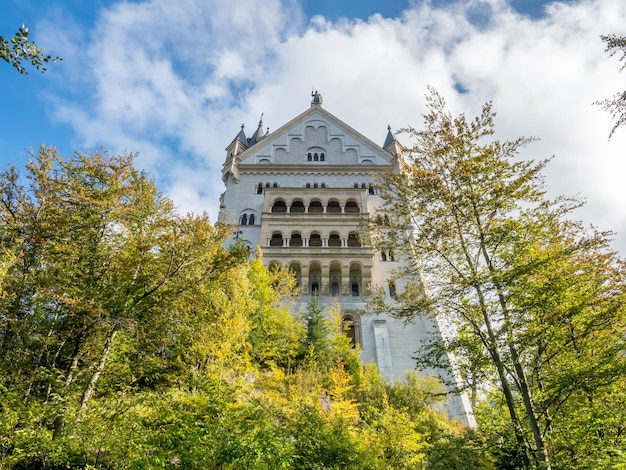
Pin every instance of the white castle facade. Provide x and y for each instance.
(300, 194)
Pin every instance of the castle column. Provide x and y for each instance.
(304, 280)
(345, 279)
(325, 280)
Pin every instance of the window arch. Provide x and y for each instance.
(334, 240)
(297, 206)
(333, 207)
(352, 207)
(315, 278)
(279, 206)
(295, 240)
(351, 327)
(277, 239)
(354, 240)
(315, 240)
(315, 206)
(354, 289)
(356, 279)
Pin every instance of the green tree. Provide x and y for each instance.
(476, 226)
(616, 105)
(19, 49)
(99, 252)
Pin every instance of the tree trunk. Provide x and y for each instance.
(542, 452)
(91, 386)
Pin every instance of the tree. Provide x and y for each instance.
(19, 49)
(484, 244)
(97, 252)
(617, 104)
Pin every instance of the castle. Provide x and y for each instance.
(300, 193)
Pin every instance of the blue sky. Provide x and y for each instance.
(175, 80)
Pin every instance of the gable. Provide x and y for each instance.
(316, 137)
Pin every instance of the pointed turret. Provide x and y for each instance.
(258, 134)
(231, 165)
(391, 144)
(241, 136)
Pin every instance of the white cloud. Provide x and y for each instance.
(174, 80)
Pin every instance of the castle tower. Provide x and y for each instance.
(300, 193)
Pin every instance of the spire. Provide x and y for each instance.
(241, 137)
(392, 145)
(258, 134)
(317, 99)
(390, 138)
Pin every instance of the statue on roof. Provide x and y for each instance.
(317, 98)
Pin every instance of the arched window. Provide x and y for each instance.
(277, 239)
(334, 289)
(354, 240)
(315, 240)
(316, 206)
(352, 207)
(315, 276)
(315, 185)
(275, 185)
(295, 240)
(383, 256)
(334, 240)
(316, 158)
(309, 157)
(279, 206)
(322, 157)
(308, 185)
(354, 289)
(371, 189)
(356, 185)
(333, 206)
(297, 207)
(362, 185)
(244, 219)
(267, 185)
(259, 188)
(323, 185)
(251, 219)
